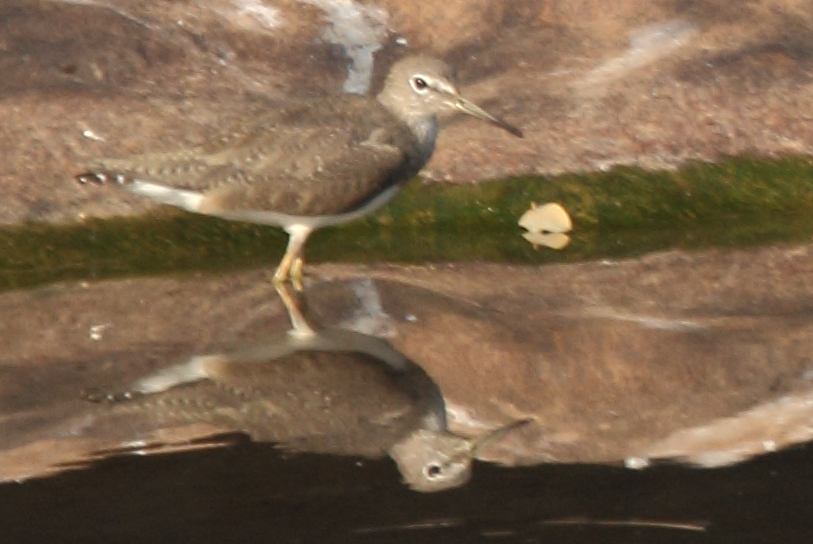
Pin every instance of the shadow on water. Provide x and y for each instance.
(251, 493)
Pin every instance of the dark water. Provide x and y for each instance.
(249, 493)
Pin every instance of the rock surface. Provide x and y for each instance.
(650, 83)
(612, 360)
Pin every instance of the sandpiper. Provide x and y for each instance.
(310, 164)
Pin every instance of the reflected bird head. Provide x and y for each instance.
(433, 461)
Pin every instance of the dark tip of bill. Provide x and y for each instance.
(510, 128)
(515, 131)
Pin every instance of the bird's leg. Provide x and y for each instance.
(296, 273)
(300, 327)
(297, 236)
(495, 435)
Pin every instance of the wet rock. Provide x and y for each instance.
(611, 360)
(646, 83)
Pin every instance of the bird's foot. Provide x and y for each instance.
(297, 269)
(278, 278)
(292, 274)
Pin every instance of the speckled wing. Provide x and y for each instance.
(324, 402)
(307, 159)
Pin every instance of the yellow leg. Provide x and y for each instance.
(296, 273)
(296, 312)
(292, 263)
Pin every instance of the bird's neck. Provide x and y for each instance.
(423, 127)
(425, 130)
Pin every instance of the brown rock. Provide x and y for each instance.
(611, 360)
(593, 85)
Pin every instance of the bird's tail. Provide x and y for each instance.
(181, 198)
(100, 178)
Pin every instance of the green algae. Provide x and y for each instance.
(738, 202)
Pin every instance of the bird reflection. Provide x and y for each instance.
(312, 390)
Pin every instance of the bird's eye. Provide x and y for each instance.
(433, 471)
(419, 84)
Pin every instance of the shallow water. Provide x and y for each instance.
(739, 202)
(251, 492)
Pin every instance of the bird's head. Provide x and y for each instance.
(421, 87)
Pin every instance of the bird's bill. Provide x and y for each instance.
(470, 108)
(489, 438)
